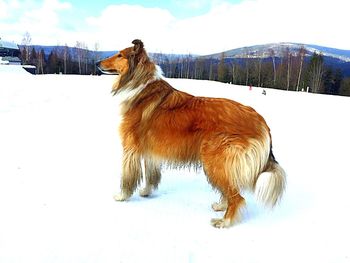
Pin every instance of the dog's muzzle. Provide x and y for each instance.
(104, 71)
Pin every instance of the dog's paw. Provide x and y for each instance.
(220, 223)
(219, 206)
(145, 192)
(121, 197)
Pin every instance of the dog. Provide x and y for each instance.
(230, 141)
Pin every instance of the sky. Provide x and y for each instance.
(176, 26)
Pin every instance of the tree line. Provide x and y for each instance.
(61, 60)
(295, 71)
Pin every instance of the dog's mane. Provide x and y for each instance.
(141, 69)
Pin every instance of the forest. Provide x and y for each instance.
(294, 71)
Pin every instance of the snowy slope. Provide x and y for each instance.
(60, 165)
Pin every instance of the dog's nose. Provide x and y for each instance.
(98, 66)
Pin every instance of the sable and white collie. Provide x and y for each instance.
(160, 124)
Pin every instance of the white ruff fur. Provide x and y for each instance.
(130, 92)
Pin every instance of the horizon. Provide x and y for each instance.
(266, 44)
(163, 26)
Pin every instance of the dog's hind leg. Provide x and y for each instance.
(217, 156)
(152, 176)
(232, 201)
(221, 205)
(131, 175)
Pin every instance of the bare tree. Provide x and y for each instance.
(233, 72)
(26, 41)
(316, 71)
(189, 58)
(65, 58)
(301, 56)
(211, 73)
(222, 68)
(79, 54)
(288, 57)
(247, 65)
(40, 61)
(199, 68)
(272, 55)
(96, 56)
(259, 71)
(82, 56)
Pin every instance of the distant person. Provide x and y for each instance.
(264, 92)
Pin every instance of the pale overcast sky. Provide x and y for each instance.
(177, 26)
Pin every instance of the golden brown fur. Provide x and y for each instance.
(163, 125)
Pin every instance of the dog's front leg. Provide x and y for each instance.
(131, 175)
(152, 176)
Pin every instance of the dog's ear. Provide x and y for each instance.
(138, 55)
(138, 45)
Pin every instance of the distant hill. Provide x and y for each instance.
(336, 58)
(279, 49)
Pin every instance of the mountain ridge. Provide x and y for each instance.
(264, 51)
(254, 51)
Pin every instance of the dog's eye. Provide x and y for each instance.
(119, 56)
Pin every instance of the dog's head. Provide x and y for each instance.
(131, 64)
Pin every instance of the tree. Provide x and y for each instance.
(80, 55)
(33, 57)
(26, 41)
(259, 71)
(52, 63)
(315, 72)
(338, 79)
(222, 70)
(199, 66)
(247, 65)
(301, 56)
(288, 57)
(272, 55)
(332, 80)
(40, 62)
(65, 57)
(189, 59)
(345, 87)
(211, 69)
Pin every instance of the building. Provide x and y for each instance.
(10, 55)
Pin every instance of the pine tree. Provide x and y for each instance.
(222, 69)
(33, 57)
(52, 63)
(345, 87)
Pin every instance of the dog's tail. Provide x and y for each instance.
(270, 184)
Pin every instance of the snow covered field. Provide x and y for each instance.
(60, 167)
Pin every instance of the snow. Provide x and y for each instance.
(60, 167)
(11, 69)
